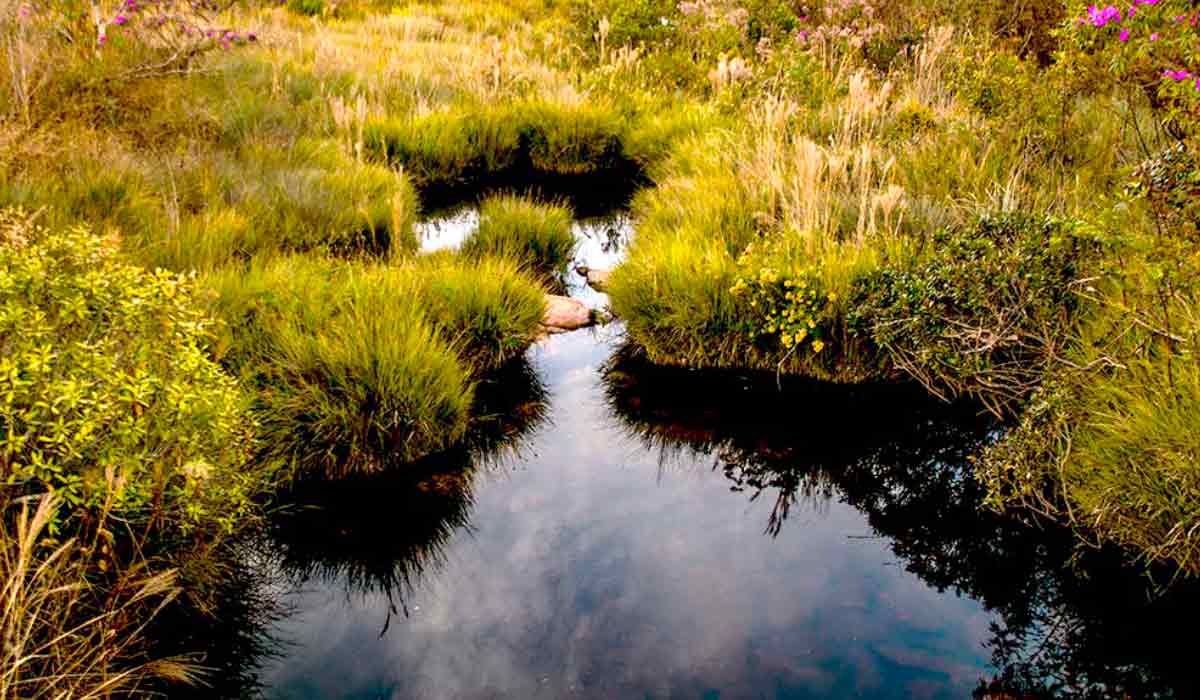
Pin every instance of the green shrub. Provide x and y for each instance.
(106, 368)
(535, 236)
(310, 8)
(983, 314)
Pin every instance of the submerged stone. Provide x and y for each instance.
(597, 278)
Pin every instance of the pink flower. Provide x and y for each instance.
(1177, 75)
(1154, 36)
(1124, 35)
(120, 20)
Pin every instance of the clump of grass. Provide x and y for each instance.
(374, 387)
(488, 308)
(533, 235)
(482, 145)
(352, 375)
(361, 368)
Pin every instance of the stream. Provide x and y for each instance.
(632, 531)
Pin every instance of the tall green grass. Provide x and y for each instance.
(374, 387)
(488, 308)
(478, 145)
(532, 235)
(360, 368)
(314, 198)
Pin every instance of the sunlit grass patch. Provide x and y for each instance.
(487, 307)
(352, 375)
(312, 199)
(531, 234)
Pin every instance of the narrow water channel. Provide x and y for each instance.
(638, 532)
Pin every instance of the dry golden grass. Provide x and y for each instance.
(64, 636)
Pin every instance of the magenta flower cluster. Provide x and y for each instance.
(1101, 16)
(176, 21)
(1112, 15)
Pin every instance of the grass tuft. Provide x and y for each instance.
(533, 235)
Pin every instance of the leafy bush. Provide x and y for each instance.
(534, 236)
(105, 367)
(984, 313)
(1151, 48)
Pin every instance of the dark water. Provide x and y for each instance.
(619, 530)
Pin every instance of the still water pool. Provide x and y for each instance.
(593, 564)
(629, 531)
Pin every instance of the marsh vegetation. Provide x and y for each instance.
(216, 304)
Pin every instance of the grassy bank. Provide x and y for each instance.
(1004, 215)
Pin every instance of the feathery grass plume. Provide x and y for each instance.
(533, 235)
(71, 630)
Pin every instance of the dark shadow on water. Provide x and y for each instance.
(383, 533)
(589, 195)
(1071, 623)
(229, 635)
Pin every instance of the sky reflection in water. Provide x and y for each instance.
(596, 567)
(621, 530)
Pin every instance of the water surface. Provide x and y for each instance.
(623, 530)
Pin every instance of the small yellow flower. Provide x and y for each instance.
(832, 296)
(818, 346)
